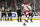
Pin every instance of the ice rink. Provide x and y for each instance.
(35, 23)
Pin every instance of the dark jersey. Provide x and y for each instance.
(9, 13)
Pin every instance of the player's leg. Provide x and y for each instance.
(26, 18)
(5, 17)
(27, 15)
(11, 16)
(18, 15)
(18, 18)
(31, 17)
(8, 16)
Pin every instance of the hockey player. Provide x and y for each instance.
(19, 14)
(30, 12)
(10, 14)
(27, 9)
(3, 13)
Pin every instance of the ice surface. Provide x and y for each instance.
(35, 23)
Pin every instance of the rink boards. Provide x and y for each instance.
(14, 16)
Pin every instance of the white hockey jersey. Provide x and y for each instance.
(26, 7)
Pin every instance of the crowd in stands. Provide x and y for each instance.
(14, 3)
